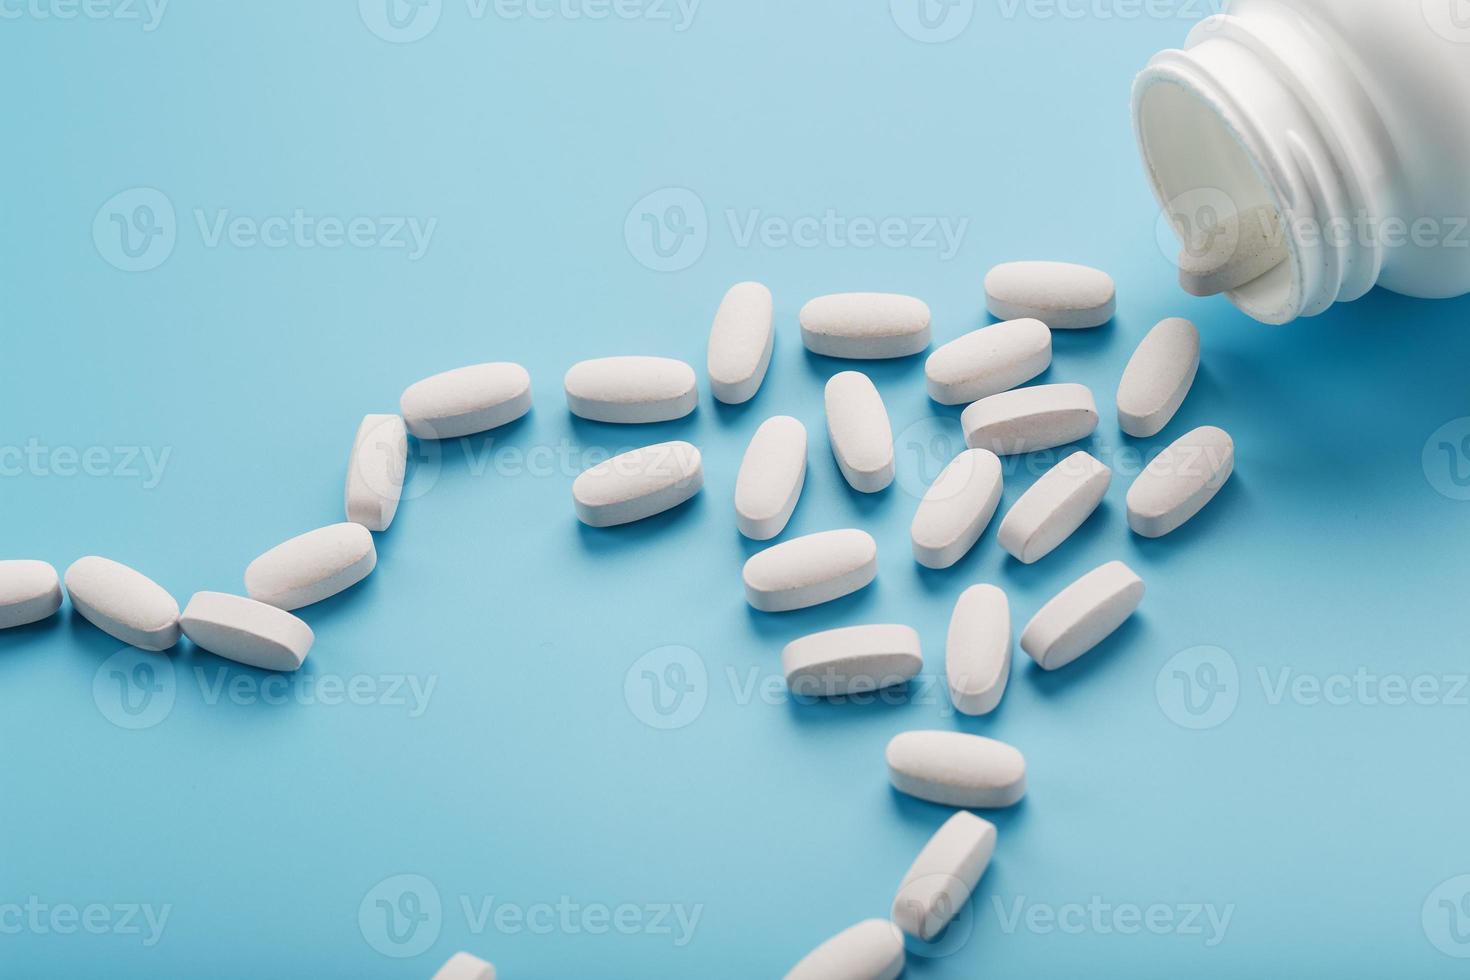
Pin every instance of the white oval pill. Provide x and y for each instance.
(246, 631)
(771, 477)
(1158, 377)
(312, 566)
(956, 769)
(1240, 249)
(740, 343)
(1061, 295)
(1054, 508)
(865, 326)
(1028, 420)
(861, 435)
(1180, 481)
(944, 875)
(466, 400)
(123, 603)
(631, 390)
(871, 950)
(852, 660)
(638, 484)
(30, 591)
(1083, 615)
(977, 651)
(375, 471)
(811, 570)
(463, 966)
(957, 508)
(988, 361)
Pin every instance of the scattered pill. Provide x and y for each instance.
(862, 437)
(1240, 249)
(312, 566)
(1083, 615)
(988, 361)
(631, 390)
(124, 603)
(466, 400)
(638, 484)
(957, 508)
(30, 591)
(1061, 295)
(871, 950)
(865, 326)
(1180, 481)
(810, 570)
(852, 660)
(246, 631)
(1158, 377)
(956, 769)
(463, 966)
(1028, 420)
(375, 471)
(1054, 508)
(771, 477)
(944, 875)
(740, 343)
(977, 651)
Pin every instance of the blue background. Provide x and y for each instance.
(531, 775)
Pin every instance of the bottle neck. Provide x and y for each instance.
(1261, 111)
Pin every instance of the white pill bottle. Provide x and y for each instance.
(1350, 117)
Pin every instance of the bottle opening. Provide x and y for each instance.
(1214, 195)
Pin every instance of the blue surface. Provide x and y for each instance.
(268, 819)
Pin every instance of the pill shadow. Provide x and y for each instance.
(1216, 519)
(1124, 641)
(621, 437)
(1072, 343)
(20, 644)
(92, 642)
(625, 538)
(750, 546)
(809, 711)
(787, 626)
(930, 816)
(729, 416)
(1044, 573)
(881, 372)
(320, 615)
